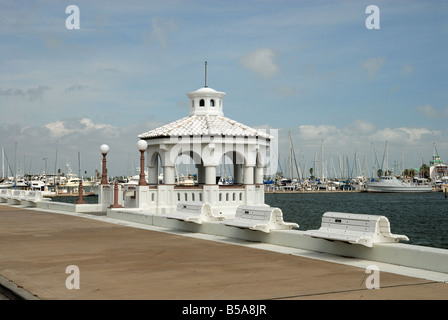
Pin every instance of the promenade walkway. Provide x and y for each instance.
(122, 262)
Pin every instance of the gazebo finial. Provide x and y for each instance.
(205, 74)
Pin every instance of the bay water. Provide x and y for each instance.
(422, 217)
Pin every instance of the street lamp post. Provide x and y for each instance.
(142, 145)
(104, 149)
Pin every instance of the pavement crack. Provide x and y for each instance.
(349, 290)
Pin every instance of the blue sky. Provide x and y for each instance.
(311, 68)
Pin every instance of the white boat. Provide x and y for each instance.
(6, 184)
(21, 183)
(74, 183)
(186, 180)
(393, 184)
(39, 185)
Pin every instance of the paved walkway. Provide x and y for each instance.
(120, 262)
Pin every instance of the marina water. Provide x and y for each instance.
(423, 217)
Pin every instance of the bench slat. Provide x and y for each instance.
(262, 218)
(350, 221)
(372, 229)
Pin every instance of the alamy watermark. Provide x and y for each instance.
(73, 280)
(373, 21)
(73, 20)
(373, 280)
(247, 150)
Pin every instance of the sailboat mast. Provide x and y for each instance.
(3, 163)
(384, 165)
(15, 165)
(205, 85)
(56, 173)
(56, 161)
(291, 175)
(293, 158)
(402, 161)
(79, 165)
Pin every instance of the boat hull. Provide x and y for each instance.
(393, 184)
(405, 188)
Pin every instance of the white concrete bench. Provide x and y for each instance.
(23, 195)
(4, 195)
(262, 218)
(14, 196)
(17, 194)
(196, 212)
(34, 197)
(355, 228)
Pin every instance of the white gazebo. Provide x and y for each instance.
(206, 136)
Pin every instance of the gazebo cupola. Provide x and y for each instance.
(206, 101)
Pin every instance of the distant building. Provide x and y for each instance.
(437, 169)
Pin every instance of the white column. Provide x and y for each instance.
(258, 175)
(168, 175)
(210, 175)
(248, 175)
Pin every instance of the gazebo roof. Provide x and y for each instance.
(196, 125)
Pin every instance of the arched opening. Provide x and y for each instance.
(186, 170)
(155, 172)
(225, 171)
(202, 103)
(230, 169)
(212, 103)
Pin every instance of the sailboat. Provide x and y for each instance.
(6, 181)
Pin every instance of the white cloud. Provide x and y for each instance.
(372, 65)
(428, 111)
(78, 126)
(431, 112)
(360, 127)
(318, 132)
(405, 135)
(362, 132)
(57, 128)
(261, 62)
(160, 33)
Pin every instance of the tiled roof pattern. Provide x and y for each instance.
(204, 125)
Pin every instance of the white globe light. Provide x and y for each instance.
(142, 145)
(104, 149)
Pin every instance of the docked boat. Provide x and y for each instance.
(393, 184)
(6, 184)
